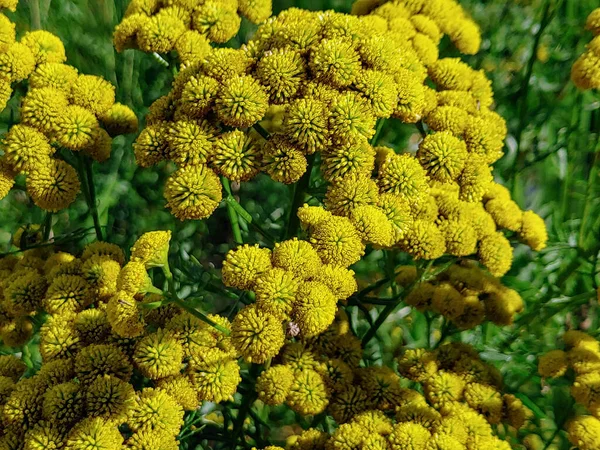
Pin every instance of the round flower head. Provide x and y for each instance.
(26, 149)
(533, 231)
(403, 175)
(443, 388)
(585, 391)
(24, 405)
(58, 338)
(583, 432)
(158, 355)
(224, 63)
(44, 435)
(425, 241)
(281, 72)
(63, 403)
(193, 192)
(7, 33)
(237, 155)
(350, 192)
(315, 308)
(151, 145)
(45, 46)
(306, 123)
(192, 47)
(92, 326)
(119, 119)
(42, 108)
(151, 439)
(482, 137)
(100, 147)
(189, 142)
(351, 118)
(101, 359)
(380, 90)
(475, 179)
(443, 156)
(109, 397)
(398, 212)
(107, 249)
(76, 127)
(244, 264)
(241, 102)
(447, 301)
(466, 36)
(373, 225)
(308, 439)
(256, 11)
(553, 364)
(335, 62)
(347, 436)
(408, 435)
(460, 236)
(299, 356)
(496, 253)
(309, 393)
(11, 367)
(337, 241)
(5, 92)
(125, 34)
(93, 93)
(218, 20)
(411, 97)
(24, 294)
(134, 279)
(451, 73)
(516, 413)
(214, 377)
(181, 389)
(274, 384)
(339, 280)
(486, 400)
(348, 402)
(124, 315)
(198, 95)
(152, 249)
(160, 33)
(310, 216)
(257, 335)
(94, 433)
(352, 158)
(68, 293)
(296, 256)
(55, 75)
(283, 161)
(17, 62)
(275, 292)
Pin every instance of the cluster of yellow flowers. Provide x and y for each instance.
(451, 401)
(186, 26)
(62, 109)
(463, 294)
(96, 341)
(580, 362)
(586, 70)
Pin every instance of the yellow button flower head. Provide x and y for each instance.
(380, 89)
(150, 146)
(76, 127)
(274, 384)
(55, 75)
(160, 33)
(460, 236)
(63, 403)
(576, 338)
(11, 5)
(193, 192)
(94, 433)
(583, 432)
(26, 149)
(346, 437)
(348, 402)
(447, 301)
(402, 174)
(298, 257)
(152, 249)
(465, 34)
(68, 293)
(335, 62)
(125, 33)
(17, 62)
(339, 280)
(352, 158)
(134, 279)
(483, 138)
(409, 436)
(585, 391)
(502, 305)
(218, 20)
(373, 225)
(308, 440)
(101, 359)
(443, 442)
(257, 335)
(92, 326)
(417, 364)
(398, 212)
(237, 155)
(451, 73)
(11, 367)
(282, 72)
(189, 142)
(256, 11)
(448, 118)
(411, 96)
(43, 435)
(244, 264)
(475, 179)
(241, 102)
(315, 308)
(585, 73)
(42, 108)
(5, 93)
(425, 241)
(443, 156)
(584, 360)
(337, 241)
(443, 388)
(275, 292)
(309, 393)
(351, 118)
(198, 95)
(350, 192)
(593, 22)
(24, 295)
(311, 216)
(181, 389)
(485, 400)
(107, 249)
(45, 46)
(516, 413)
(214, 377)
(283, 161)
(119, 119)
(496, 253)
(158, 355)
(124, 315)
(533, 231)
(299, 356)
(101, 146)
(24, 405)
(306, 123)
(58, 338)
(192, 47)
(93, 93)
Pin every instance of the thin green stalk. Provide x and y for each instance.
(231, 212)
(241, 211)
(591, 182)
(194, 312)
(260, 130)
(36, 21)
(375, 137)
(383, 315)
(247, 402)
(298, 199)
(421, 129)
(92, 197)
(47, 226)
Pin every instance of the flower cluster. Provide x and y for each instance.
(586, 70)
(185, 26)
(464, 295)
(453, 400)
(580, 363)
(113, 351)
(61, 111)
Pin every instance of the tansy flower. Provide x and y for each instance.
(425, 241)
(192, 47)
(189, 143)
(109, 397)
(68, 293)
(352, 158)
(17, 62)
(275, 292)
(502, 305)
(55, 75)
(93, 93)
(256, 11)
(485, 400)
(299, 356)
(533, 231)
(309, 394)
(150, 146)
(443, 156)
(296, 256)
(274, 384)
(53, 186)
(124, 315)
(339, 280)
(63, 403)
(92, 326)
(583, 432)
(58, 338)
(446, 300)
(5, 93)
(160, 33)
(125, 33)
(158, 355)
(451, 73)
(417, 364)
(411, 96)
(335, 62)
(45, 46)
(152, 249)
(76, 127)
(351, 118)
(380, 89)
(306, 123)
(11, 5)
(475, 179)
(43, 435)
(236, 155)
(101, 359)
(134, 279)
(408, 435)
(12, 367)
(218, 20)
(282, 160)
(100, 248)
(42, 108)
(402, 174)
(198, 95)
(348, 402)
(281, 72)
(181, 390)
(496, 253)
(314, 309)
(373, 225)
(193, 192)
(311, 438)
(94, 433)
(337, 241)
(516, 413)
(241, 102)
(119, 119)
(26, 149)
(244, 264)
(460, 236)
(215, 379)
(553, 364)
(101, 146)
(398, 212)
(311, 216)
(350, 192)
(257, 335)
(483, 139)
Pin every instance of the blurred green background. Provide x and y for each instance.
(550, 165)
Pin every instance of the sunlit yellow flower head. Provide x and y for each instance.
(160, 33)
(181, 390)
(237, 155)
(152, 249)
(495, 253)
(119, 119)
(315, 308)
(124, 315)
(92, 326)
(53, 186)
(443, 156)
(94, 433)
(44, 434)
(351, 118)
(17, 62)
(99, 359)
(55, 75)
(214, 377)
(306, 124)
(402, 174)
(283, 161)
(338, 279)
(282, 72)
(408, 435)
(533, 231)
(134, 279)
(193, 192)
(11, 5)
(45, 46)
(68, 293)
(583, 432)
(76, 127)
(58, 338)
(93, 93)
(109, 397)
(189, 142)
(244, 264)
(309, 393)
(373, 225)
(218, 20)
(241, 102)
(425, 241)
(257, 335)
(299, 356)
(350, 192)
(158, 355)
(63, 403)
(337, 241)
(275, 292)
(354, 157)
(585, 73)
(26, 149)
(274, 384)
(11, 367)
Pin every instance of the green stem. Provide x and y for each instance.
(47, 226)
(194, 312)
(36, 21)
(89, 191)
(375, 137)
(260, 130)
(231, 212)
(239, 209)
(383, 315)
(591, 181)
(298, 199)
(247, 402)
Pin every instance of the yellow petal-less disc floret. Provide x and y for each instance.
(154, 409)
(53, 186)
(309, 393)
(193, 192)
(315, 308)
(17, 62)
(152, 249)
(298, 257)
(244, 264)
(26, 149)
(553, 364)
(93, 93)
(275, 292)
(45, 46)
(337, 241)
(241, 102)
(119, 119)
(274, 384)
(283, 161)
(158, 355)
(257, 335)
(533, 231)
(443, 156)
(237, 155)
(583, 432)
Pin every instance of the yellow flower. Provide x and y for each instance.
(42, 108)
(160, 33)
(306, 123)
(92, 326)
(533, 231)
(460, 236)
(76, 128)
(12, 367)
(553, 364)
(275, 292)
(256, 11)
(335, 62)
(241, 102)
(501, 305)
(55, 75)
(443, 388)
(475, 179)
(443, 156)
(403, 175)
(257, 335)
(152, 249)
(214, 377)
(237, 155)
(181, 389)
(94, 433)
(45, 46)
(216, 19)
(282, 72)
(298, 257)
(282, 160)
(496, 253)
(585, 73)
(451, 73)
(192, 47)
(5, 93)
(193, 192)
(150, 146)
(373, 225)
(339, 280)
(189, 142)
(100, 248)
(58, 338)
(516, 413)
(124, 315)
(101, 146)
(449, 119)
(11, 5)
(299, 356)
(93, 93)
(244, 264)
(17, 62)
(348, 402)
(198, 95)
(351, 118)
(593, 22)
(119, 119)
(411, 96)
(425, 240)
(350, 192)
(44, 435)
(125, 33)
(583, 432)
(63, 403)
(409, 436)
(158, 355)
(134, 279)
(314, 309)
(484, 137)
(101, 359)
(68, 293)
(337, 241)
(274, 384)
(308, 440)
(101, 272)
(466, 36)
(309, 393)
(26, 149)
(485, 400)
(585, 391)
